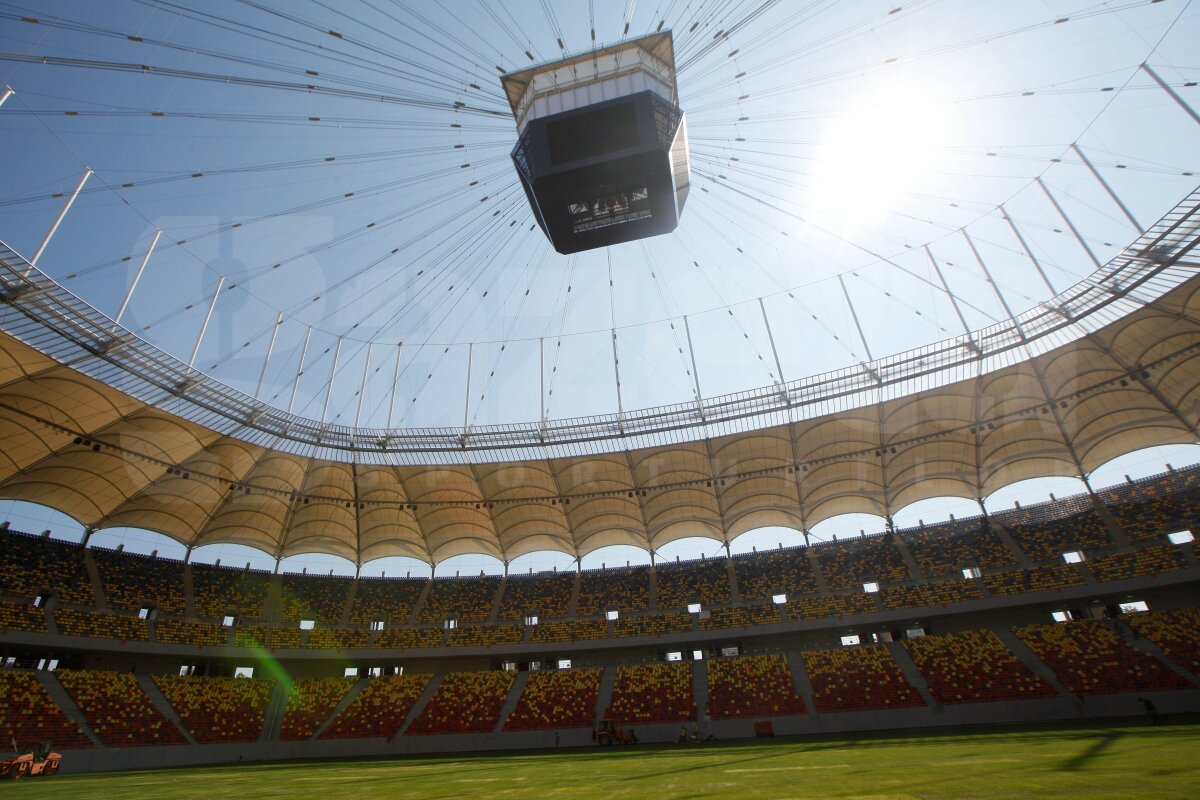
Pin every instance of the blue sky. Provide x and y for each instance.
(830, 141)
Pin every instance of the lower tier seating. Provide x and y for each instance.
(1090, 659)
(973, 667)
(310, 702)
(858, 678)
(28, 715)
(218, 709)
(380, 709)
(564, 698)
(653, 693)
(117, 709)
(465, 702)
(1176, 632)
(751, 686)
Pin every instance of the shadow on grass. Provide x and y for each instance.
(1092, 752)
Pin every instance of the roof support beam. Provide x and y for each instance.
(137, 276)
(1137, 226)
(300, 368)
(1174, 96)
(262, 373)
(1075, 231)
(57, 221)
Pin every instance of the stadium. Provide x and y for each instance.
(544, 398)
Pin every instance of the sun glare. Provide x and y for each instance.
(884, 146)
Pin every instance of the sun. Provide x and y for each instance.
(880, 147)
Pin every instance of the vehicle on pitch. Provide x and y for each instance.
(607, 733)
(40, 760)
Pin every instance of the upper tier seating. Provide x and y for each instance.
(309, 703)
(1176, 632)
(653, 625)
(466, 599)
(950, 546)
(623, 589)
(22, 617)
(132, 581)
(100, 626)
(218, 709)
(320, 598)
(545, 596)
(751, 686)
(338, 639)
(652, 693)
(857, 678)
(220, 591)
(28, 715)
(405, 638)
(563, 698)
(176, 631)
(838, 606)
(387, 600)
(484, 635)
(1153, 507)
(270, 638)
(1020, 581)
(852, 562)
(740, 617)
(1045, 536)
(33, 564)
(942, 593)
(705, 581)
(973, 667)
(575, 630)
(117, 709)
(1090, 659)
(465, 702)
(380, 709)
(762, 575)
(1153, 560)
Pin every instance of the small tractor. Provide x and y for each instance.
(607, 733)
(41, 760)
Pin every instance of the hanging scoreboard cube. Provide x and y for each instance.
(602, 147)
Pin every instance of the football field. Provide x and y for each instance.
(1085, 761)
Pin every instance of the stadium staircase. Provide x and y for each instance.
(66, 704)
(163, 705)
(189, 590)
(510, 702)
(494, 613)
(1027, 657)
(651, 593)
(800, 680)
(1005, 536)
(818, 576)
(906, 555)
(573, 604)
(273, 717)
(700, 688)
(415, 614)
(1115, 531)
(344, 617)
(342, 705)
(735, 591)
(97, 585)
(908, 669)
(604, 697)
(422, 700)
(1144, 645)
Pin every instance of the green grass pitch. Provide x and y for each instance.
(1082, 761)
